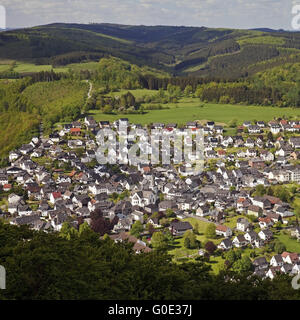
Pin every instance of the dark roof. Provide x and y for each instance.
(260, 261)
(181, 226)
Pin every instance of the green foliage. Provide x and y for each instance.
(136, 229)
(210, 231)
(279, 247)
(242, 265)
(68, 232)
(260, 191)
(159, 241)
(43, 266)
(57, 100)
(17, 128)
(190, 240)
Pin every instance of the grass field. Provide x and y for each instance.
(192, 109)
(24, 67)
(28, 67)
(291, 244)
(261, 40)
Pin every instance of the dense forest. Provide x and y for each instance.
(200, 52)
(78, 265)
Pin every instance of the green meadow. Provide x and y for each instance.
(24, 67)
(190, 109)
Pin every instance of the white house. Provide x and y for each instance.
(224, 231)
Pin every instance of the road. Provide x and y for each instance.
(91, 89)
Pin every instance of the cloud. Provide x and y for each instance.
(211, 13)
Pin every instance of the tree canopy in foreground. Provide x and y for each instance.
(51, 266)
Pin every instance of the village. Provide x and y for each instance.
(56, 180)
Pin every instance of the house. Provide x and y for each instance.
(290, 257)
(178, 228)
(257, 163)
(251, 236)
(242, 224)
(7, 187)
(274, 217)
(166, 204)
(154, 222)
(203, 210)
(239, 241)
(138, 216)
(267, 156)
(222, 230)
(13, 155)
(273, 271)
(277, 261)
(255, 211)
(210, 125)
(265, 222)
(296, 268)
(287, 268)
(225, 244)
(261, 124)
(254, 129)
(58, 220)
(26, 220)
(295, 142)
(275, 128)
(24, 210)
(55, 196)
(76, 124)
(260, 263)
(138, 247)
(75, 131)
(123, 225)
(265, 235)
(247, 124)
(3, 179)
(14, 199)
(143, 198)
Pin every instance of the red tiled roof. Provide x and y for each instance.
(266, 220)
(56, 195)
(75, 130)
(222, 228)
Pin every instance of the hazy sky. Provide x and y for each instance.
(212, 13)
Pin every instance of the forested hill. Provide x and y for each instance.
(80, 266)
(196, 51)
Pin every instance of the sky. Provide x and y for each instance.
(275, 14)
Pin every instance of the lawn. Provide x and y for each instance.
(181, 254)
(202, 225)
(231, 221)
(29, 67)
(4, 67)
(24, 67)
(192, 109)
(291, 244)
